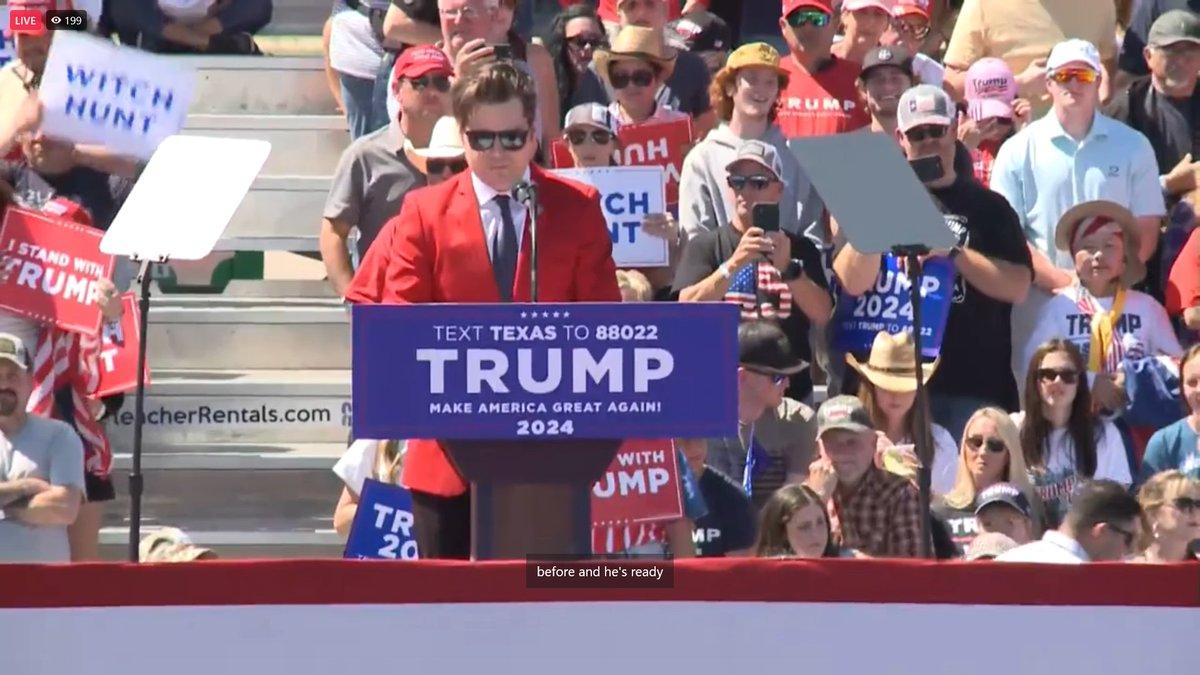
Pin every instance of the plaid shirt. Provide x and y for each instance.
(881, 516)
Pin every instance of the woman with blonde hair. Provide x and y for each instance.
(990, 454)
(1171, 503)
(377, 460)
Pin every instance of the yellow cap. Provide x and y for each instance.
(754, 54)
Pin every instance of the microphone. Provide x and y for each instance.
(525, 192)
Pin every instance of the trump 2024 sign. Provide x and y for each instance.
(552, 371)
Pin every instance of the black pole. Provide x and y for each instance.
(912, 254)
(532, 205)
(139, 407)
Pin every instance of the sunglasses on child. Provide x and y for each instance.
(1080, 75)
(991, 444)
(640, 78)
(509, 139)
(440, 166)
(758, 182)
(599, 137)
(439, 82)
(1052, 374)
(808, 17)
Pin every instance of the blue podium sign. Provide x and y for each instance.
(383, 524)
(545, 371)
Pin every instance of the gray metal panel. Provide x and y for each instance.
(869, 188)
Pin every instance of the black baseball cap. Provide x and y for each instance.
(763, 347)
(1003, 493)
(699, 31)
(897, 57)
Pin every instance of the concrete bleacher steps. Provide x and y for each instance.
(255, 85)
(301, 145)
(298, 17)
(280, 213)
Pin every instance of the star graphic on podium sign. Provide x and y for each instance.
(524, 314)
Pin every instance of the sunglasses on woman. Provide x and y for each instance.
(640, 78)
(440, 166)
(509, 139)
(808, 17)
(582, 42)
(758, 182)
(599, 136)
(1186, 504)
(926, 132)
(991, 444)
(1081, 75)
(1052, 374)
(439, 82)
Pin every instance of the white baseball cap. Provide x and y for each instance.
(1073, 51)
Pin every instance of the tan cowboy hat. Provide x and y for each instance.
(1065, 232)
(892, 363)
(636, 43)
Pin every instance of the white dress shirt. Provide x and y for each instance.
(489, 211)
(1054, 547)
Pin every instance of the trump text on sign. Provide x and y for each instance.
(887, 306)
(587, 370)
(383, 525)
(627, 195)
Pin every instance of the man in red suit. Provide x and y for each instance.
(467, 241)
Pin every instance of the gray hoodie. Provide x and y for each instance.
(705, 201)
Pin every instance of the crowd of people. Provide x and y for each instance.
(1062, 418)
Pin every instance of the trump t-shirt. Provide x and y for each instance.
(821, 103)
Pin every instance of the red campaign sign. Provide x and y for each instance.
(53, 267)
(641, 485)
(662, 144)
(119, 342)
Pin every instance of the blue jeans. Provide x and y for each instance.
(359, 96)
(383, 89)
(952, 412)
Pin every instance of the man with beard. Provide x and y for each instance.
(41, 469)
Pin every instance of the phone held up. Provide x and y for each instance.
(502, 52)
(765, 217)
(928, 168)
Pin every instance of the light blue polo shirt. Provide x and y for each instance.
(1043, 172)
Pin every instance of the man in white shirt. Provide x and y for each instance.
(41, 469)
(1101, 526)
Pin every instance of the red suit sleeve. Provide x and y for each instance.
(1183, 283)
(398, 266)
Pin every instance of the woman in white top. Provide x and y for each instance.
(889, 393)
(634, 68)
(1100, 313)
(1063, 441)
(356, 56)
(377, 460)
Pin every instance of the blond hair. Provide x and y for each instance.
(634, 285)
(1165, 486)
(389, 459)
(962, 495)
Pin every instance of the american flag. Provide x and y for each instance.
(618, 537)
(66, 359)
(760, 292)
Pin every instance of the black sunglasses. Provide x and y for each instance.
(932, 132)
(585, 41)
(758, 182)
(439, 166)
(598, 136)
(1052, 374)
(992, 444)
(808, 17)
(1186, 503)
(509, 139)
(776, 378)
(1125, 534)
(641, 78)
(438, 82)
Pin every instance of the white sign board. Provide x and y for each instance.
(7, 52)
(125, 99)
(185, 198)
(627, 195)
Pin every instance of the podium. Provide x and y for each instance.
(532, 402)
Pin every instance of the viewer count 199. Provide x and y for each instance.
(54, 19)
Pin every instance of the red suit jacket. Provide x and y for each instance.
(436, 251)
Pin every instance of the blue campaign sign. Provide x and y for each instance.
(553, 371)
(383, 525)
(887, 307)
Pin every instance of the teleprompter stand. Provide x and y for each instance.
(531, 498)
(899, 218)
(178, 210)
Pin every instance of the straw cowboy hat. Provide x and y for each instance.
(892, 363)
(1065, 233)
(636, 43)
